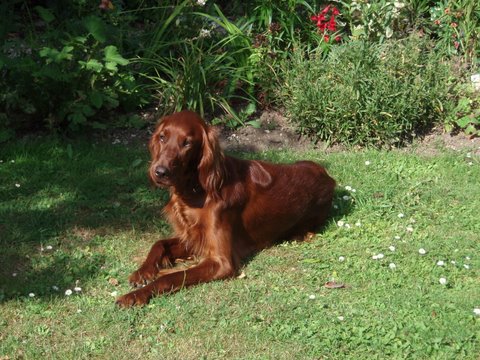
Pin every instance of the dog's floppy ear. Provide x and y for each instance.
(154, 147)
(211, 169)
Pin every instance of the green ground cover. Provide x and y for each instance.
(78, 215)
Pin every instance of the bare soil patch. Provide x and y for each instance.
(277, 133)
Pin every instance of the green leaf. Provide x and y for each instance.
(96, 98)
(464, 121)
(112, 56)
(92, 64)
(111, 66)
(471, 130)
(45, 14)
(96, 27)
(77, 118)
(87, 110)
(250, 109)
(254, 123)
(53, 55)
(111, 101)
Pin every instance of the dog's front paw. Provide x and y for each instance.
(134, 298)
(142, 276)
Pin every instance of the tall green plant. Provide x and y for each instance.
(205, 72)
(366, 93)
(456, 25)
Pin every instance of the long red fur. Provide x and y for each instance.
(222, 209)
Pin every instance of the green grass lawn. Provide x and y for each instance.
(74, 214)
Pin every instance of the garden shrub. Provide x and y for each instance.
(367, 93)
(62, 73)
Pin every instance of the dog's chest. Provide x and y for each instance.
(187, 222)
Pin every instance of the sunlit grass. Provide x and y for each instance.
(84, 215)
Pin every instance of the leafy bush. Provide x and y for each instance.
(463, 111)
(376, 20)
(65, 77)
(366, 93)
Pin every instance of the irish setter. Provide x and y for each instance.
(222, 209)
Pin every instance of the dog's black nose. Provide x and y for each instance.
(161, 171)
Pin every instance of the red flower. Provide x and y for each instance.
(324, 11)
(437, 22)
(338, 38)
(454, 24)
(332, 26)
(321, 19)
(456, 44)
(326, 38)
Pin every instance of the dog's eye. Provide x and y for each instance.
(161, 138)
(186, 143)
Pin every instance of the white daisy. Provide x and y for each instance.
(391, 248)
(311, 297)
(440, 263)
(392, 266)
(68, 292)
(422, 251)
(443, 281)
(341, 258)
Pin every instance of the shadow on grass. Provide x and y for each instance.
(69, 197)
(75, 197)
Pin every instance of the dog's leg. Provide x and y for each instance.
(206, 270)
(162, 255)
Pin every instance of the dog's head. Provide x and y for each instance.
(185, 149)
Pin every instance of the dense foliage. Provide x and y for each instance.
(367, 93)
(68, 66)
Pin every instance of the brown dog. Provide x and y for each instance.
(222, 209)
